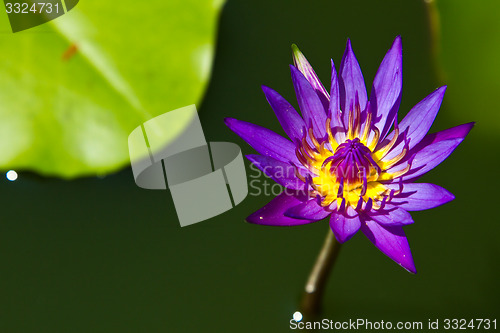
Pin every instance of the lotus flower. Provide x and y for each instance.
(348, 158)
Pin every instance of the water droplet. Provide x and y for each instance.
(297, 316)
(11, 175)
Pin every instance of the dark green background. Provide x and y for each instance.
(102, 255)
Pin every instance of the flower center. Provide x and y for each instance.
(348, 172)
(352, 163)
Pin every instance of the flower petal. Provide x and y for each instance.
(352, 84)
(420, 196)
(309, 210)
(281, 172)
(417, 122)
(263, 140)
(273, 212)
(391, 216)
(300, 61)
(335, 114)
(334, 106)
(432, 150)
(292, 123)
(310, 105)
(385, 96)
(391, 241)
(345, 225)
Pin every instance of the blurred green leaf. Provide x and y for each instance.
(72, 90)
(469, 56)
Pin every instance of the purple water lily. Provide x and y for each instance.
(343, 159)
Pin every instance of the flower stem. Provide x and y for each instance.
(312, 296)
(434, 23)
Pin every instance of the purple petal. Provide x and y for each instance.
(292, 123)
(310, 105)
(273, 212)
(343, 225)
(417, 122)
(391, 216)
(432, 150)
(351, 83)
(264, 141)
(387, 85)
(281, 172)
(334, 106)
(300, 61)
(309, 210)
(391, 241)
(420, 196)
(336, 123)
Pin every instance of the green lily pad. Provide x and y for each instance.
(73, 89)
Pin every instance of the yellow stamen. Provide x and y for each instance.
(350, 130)
(374, 142)
(357, 121)
(298, 175)
(388, 164)
(391, 176)
(331, 139)
(366, 130)
(313, 139)
(380, 154)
